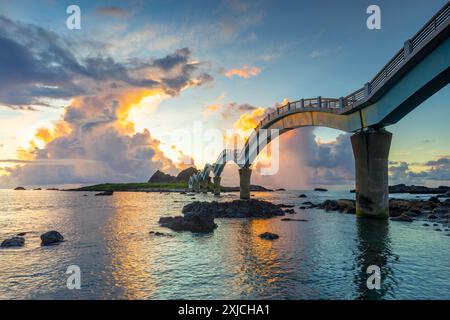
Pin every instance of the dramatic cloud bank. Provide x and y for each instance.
(435, 170)
(94, 141)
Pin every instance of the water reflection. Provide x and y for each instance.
(373, 248)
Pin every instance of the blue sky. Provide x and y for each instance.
(297, 49)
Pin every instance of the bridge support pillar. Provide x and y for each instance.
(216, 186)
(244, 177)
(196, 186)
(205, 185)
(371, 152)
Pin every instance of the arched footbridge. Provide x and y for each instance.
(418, 70)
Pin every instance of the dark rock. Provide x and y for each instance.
(403, 218)
(13, 242)
(182, 192)
(438, 229)
(302, 195)
(185, 174)
(308, 203)
(402, 188)
(85, 195)
(252, 208)
(269, 236)
(38, 189)
(289, 211)
(20, 189)
(160, 234)
(51, 237)
(411, 214)
(434, 199)
(441, 210)
(253, 188)
(321, 189)
(52, 189)
(286, 205)
(280, 189)
(194, 222)
(289, 219)
(105, 193)
(21, 234)
(302, 207)
(161, 177)
(426, 225)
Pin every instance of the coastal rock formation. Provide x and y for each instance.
(184, 175)
(51, 237)
(402, 188)
(20, 189)
(191, 221)
(161, 177)
(236, 209)
(13, 242)
(269, 236)
(253, 188)
(321, 189)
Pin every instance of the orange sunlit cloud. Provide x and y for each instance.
(244, 72)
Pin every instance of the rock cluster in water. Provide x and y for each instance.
(199, 216)
(190, 221)
(252, 208)
(432, 209)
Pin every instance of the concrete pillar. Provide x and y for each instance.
(196, 186)
(216, 186)
(244, 178)
(205, 184)
(371, 151)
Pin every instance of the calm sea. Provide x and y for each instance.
(108, 238)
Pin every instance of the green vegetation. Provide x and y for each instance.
(134, 186)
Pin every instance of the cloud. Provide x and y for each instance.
(112, 11)
(433, 170)
(243, 72)
(38, 64)
(325, 52)
(228, 110)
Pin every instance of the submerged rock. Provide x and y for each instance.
(160, 234)
(13, 242)
(286, 205)
(105, 193)
(51, 237)
(321, 189)
(289, 219)
(269, 236)
(302, 195)
(194, 222)
(402, 217)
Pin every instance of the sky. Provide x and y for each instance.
(153, 85)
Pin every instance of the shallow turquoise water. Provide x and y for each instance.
(108, 238)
